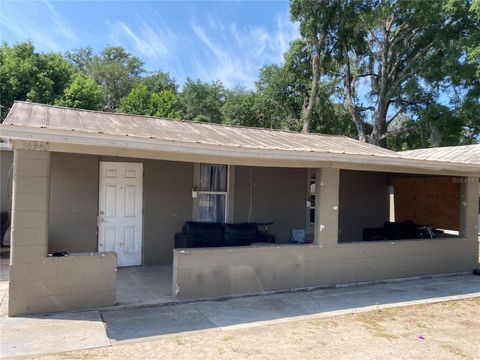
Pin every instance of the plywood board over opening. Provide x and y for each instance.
(427, 200)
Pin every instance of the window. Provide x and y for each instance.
(212, 193)
(310, 199)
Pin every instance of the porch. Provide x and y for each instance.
(144, 285)
(327, 203)
(66, 202)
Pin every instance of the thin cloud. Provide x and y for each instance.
(235, 54)
(62, 27)
(145, 39)
(54, 37)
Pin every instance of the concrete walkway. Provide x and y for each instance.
(80, 330)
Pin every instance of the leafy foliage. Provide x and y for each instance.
(118, 72)
(247, 108)
(28, 75)
(401, 74)
(140, 101)
(83, 93)
(159, 81)
(203, 101)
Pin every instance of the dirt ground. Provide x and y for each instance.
(447, 330)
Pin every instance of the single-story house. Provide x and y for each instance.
(230, 210)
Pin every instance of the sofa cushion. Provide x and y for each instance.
(205, 234)
(397, 231)
(240, 234)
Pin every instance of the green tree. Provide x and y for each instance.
(166, 103)
(141, 102)
(203, 101)
(81, 59)
(318, 20)
(248, 108)
(392, 60)
(138, 101)
(288, 85)
(28, 75)
(159, 81)
(83, 93)
(403, 51)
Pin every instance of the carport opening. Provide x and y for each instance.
(378, 206)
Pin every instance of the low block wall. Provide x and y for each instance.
(208, 273)
(77, 281)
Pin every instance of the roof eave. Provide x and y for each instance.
(69, 137)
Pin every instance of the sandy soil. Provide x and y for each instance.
(448, 330)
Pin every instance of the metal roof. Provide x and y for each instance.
(468, 154)
(59, 125)
(32, 115)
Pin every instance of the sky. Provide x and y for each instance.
(208, 40)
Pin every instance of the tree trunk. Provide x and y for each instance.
(435, 136)
(380, 118)
(380, 127)
(349, 101)
(308, 106)
(357, 120)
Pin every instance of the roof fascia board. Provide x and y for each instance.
(71, 137)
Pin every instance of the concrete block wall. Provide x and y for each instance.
(39, 283)
(73, 203)
(326, 207)
(51, 284)
(206, 273)
(278, 196)
(167, 204)
(363, 190)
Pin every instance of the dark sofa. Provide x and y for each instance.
(202, 234)
(395, 231)
(4, 224)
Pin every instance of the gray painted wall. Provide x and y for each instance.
(279, 196)
(363, 203)
(167, 204)
(6, 161)
(74, 204)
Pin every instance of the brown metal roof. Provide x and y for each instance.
(468, 154)
(194, 141)
(31, 115)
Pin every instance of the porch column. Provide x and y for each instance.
(29, 232)
(469, 192)
(327, 186)
(30, 204)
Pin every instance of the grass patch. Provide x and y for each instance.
(371, 321)
(179, 340)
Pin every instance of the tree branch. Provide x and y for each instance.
(389, 121)
(398, 131)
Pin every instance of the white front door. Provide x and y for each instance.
(120, 211)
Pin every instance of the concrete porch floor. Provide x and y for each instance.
(144, 285)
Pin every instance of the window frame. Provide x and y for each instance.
(311, 175)
(227, 193)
